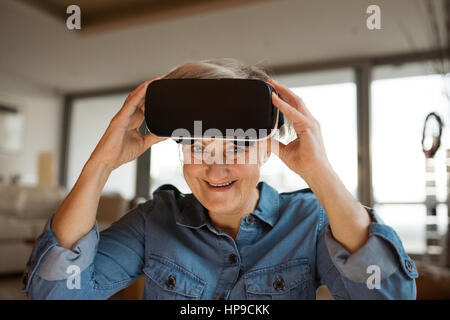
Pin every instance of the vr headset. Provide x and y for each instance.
(185, 110)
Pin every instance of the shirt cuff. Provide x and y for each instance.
(383, 251)
(51, 261)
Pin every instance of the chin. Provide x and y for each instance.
(219, 206)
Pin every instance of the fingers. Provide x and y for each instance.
(290, 97)
(150, 139)
(135, 98)
(289, 111)
(138, 116)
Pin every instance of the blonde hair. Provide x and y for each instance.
(224, 68)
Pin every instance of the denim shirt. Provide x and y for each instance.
(284, 250)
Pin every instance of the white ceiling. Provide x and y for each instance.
(39, 49)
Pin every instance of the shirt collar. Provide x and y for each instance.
(193, 214)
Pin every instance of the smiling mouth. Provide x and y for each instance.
(220, 185)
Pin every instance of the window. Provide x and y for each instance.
(399, 108)
(90, 118)
(166, 166)
(331, 98)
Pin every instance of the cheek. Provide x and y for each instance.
(191, 172)
(247, 172)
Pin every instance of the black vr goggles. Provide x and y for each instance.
(185, 110)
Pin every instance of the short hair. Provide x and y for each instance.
(225, 68)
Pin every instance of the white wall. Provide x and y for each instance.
(42, 131)
(90, 119)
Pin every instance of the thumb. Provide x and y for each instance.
(150, 139)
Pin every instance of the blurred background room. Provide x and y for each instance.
(370, 72)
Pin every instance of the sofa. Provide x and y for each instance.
(24, 211)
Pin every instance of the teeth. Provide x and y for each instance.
(220, 185)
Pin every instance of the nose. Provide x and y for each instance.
(217, 172)
(214, 153)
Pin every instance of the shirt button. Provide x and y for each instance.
(249, 219)
(171, 281)
(409, 266)
(278, 284)
(232, 258)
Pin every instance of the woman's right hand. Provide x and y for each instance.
(122, 141)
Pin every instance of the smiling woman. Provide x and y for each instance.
(226, 188)
(232, 237)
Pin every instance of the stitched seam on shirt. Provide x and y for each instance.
(400, 256)
(222, 280)
(332, 262)
(341, 278)
(128, 225)
(220, 277)
(115, 284)
(338, 268)
(280, 266)
(109, 286)
(329, 269)
(148, 210)
(301, 281)
(297, 283)
(321, 219)
(118, 283)
(168, 262)
(37, 265)
(38, 262)
(330, 256)
(112, 285)
(117, 259)
(304, 190)
(318, 232)
(201, 288)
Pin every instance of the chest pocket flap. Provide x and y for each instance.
(279, 279)
(173, 278)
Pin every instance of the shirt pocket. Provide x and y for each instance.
(291, 280)
(166, 280)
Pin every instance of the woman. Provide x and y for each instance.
(232, 238)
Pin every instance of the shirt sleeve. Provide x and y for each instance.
(97, 266)
(380, 269)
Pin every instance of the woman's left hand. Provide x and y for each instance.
(306, 154)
